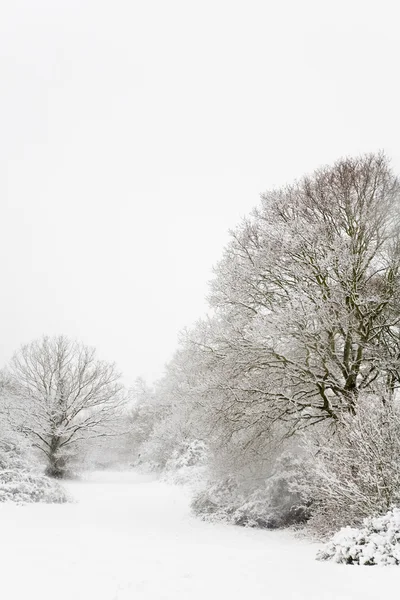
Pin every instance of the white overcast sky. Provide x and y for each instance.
(134, 134)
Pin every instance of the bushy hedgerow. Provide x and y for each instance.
(376, 543)
(23, 487)
(280, 500)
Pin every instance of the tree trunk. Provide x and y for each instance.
(57, 464)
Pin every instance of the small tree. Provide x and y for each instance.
(64, 395)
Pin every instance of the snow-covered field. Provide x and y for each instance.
(128, 536)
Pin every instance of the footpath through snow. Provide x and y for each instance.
(131, 537)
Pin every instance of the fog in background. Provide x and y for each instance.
(135, 134)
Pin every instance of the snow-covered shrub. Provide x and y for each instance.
(20, 480)
(22, 487)
(356, 470)
(188, 454)
(281, 500)
(376, 543)
(12, 456)
(187, 465)
(218, 501)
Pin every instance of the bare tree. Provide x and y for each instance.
(309, 295)
(64, 395)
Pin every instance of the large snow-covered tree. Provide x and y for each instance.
(306, 314)
(304, 329)
(308, 294)
(63, 395)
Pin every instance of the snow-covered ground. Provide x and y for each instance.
(131, 537)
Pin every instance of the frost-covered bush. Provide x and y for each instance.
(281, 500)
(218, 501)
(376, 543)
(187, 465)
(188, 454)
(19, 480)
(12, 456)
(356, 470)
(22, 487)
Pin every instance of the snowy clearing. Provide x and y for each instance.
(129, 536)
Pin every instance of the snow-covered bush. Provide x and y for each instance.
(188, 465)
(12, 456)
(281, 500)
(376, 543)
(188, 454)
(356, 470)
(22, 487)
(20, 480)
(218, 501)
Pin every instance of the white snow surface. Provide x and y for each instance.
(129, 536)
